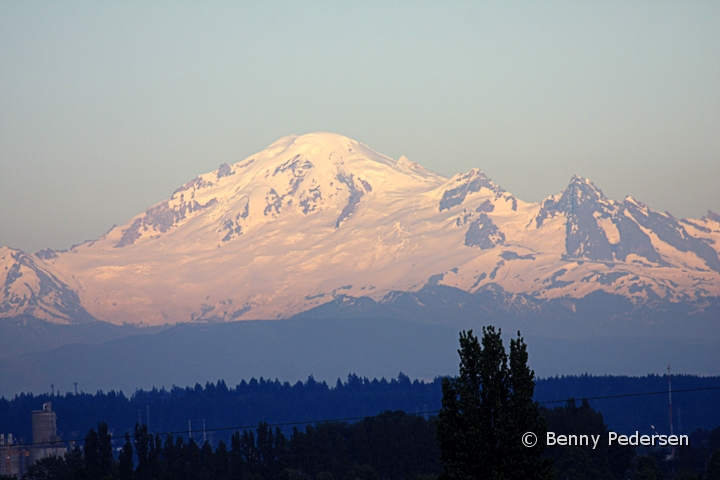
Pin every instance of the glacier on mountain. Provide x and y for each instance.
(317, 217)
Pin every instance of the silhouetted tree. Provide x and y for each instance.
(98, 454)
(487, 409)
(90, 454)
(222, 468)
(125, 461)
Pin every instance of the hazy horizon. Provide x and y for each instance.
(106, 108)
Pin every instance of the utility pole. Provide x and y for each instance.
(52, 389)
(75, 383)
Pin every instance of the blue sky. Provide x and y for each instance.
(107, 107)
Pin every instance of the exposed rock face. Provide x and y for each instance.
(484, 233)
(161, 218)
(601, 229)
(471, 182)
(31, 288)
(321, 218)
(669, 230)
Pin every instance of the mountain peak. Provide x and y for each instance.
(711, 216)
(333, 152)
(583, 184)
(316, 142)
(317, 217)
(462, 184)
(314, 174)
(579, 191)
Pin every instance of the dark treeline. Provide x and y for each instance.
(220, 406)
(389, 445)
(272, 401)
(580, 461)
(698, 461)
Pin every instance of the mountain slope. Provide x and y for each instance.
(319, 217)
(30, 286)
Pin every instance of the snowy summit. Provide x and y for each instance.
(317, 216)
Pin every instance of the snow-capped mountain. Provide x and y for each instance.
(316, 217)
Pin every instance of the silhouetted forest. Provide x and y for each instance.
(272, 401)
(392, 444)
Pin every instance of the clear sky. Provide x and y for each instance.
(107, 107)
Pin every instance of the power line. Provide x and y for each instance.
(347, 419)
(635, 394)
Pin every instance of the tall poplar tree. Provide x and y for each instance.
(125, 460)
(487, 409)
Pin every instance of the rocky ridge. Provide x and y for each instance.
(320, 217)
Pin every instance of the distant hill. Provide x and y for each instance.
(329, 348)
(26, 334)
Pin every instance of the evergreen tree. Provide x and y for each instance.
(48, 468)
(90, 454)
(170, 458)
(154, 457)
(487, 409)
(194, 461)
(106, 460)
(208, 462)
(69, 467)
(98, 453)
(222, 469)
(142, 449)
(125, 462)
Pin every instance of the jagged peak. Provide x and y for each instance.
(632, 201)
(321, 212)
(460, 185)
(46, 254)
(473, 173)
(712, 216)
(580, 179)
(585, 185)
(474, 176)
(580, 194)
(580, 190)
